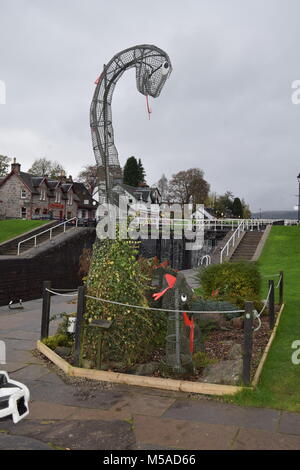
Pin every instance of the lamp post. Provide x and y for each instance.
(298, 178)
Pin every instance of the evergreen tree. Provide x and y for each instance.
(237, 208)
(132, 172)
(142, 173)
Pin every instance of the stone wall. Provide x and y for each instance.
(10, 198)
(22, 277)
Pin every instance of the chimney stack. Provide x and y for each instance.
(15, 167)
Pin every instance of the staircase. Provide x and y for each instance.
(247, 247)
(11, 247)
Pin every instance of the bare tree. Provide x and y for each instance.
(4, 164)
(189, 185)
(90, 175)
(163, 187)
(42, 167)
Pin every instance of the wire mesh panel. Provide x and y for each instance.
(153, 67)
(178, 340)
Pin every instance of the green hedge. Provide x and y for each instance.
(116, 274)
(233, 282)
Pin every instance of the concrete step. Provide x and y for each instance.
(246, 249)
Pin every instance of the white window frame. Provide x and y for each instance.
(57, 196)
(23, 191)
(70, 199)
(43, 195)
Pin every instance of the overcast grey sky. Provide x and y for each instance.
(226, 107)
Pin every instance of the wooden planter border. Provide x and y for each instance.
(156, 382)
(267, 349)
(138, 380)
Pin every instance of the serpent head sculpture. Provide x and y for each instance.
(153, 67)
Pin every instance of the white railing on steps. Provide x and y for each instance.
(49, 230)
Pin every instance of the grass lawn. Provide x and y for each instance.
(13, 228)
(279, 385)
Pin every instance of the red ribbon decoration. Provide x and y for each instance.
(171, 281)
(148, 107)
(191, 324)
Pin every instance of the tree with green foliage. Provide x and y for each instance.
(237, 208)
(142, 173)
(42, 167)
(223, 205)
(131, 173)
(134, 173)
(4, 165)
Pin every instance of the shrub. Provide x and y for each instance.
(116, 274)
(57, 340)
(233, 282)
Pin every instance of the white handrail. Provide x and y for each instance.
(50, 230)
(205, 259)
(236, 234)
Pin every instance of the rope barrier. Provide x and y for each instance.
(280, 279)
(257, 315)
(61, 295)
(146, 308)
(162, 309)
(271, 275)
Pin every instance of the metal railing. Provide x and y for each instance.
(207, 224)
(49, 230)
(232, 240)
(205, 260)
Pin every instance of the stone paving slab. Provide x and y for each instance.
(8, 442)
(79, 435)
(290, 423)
(18, 344)
(213, 412)
(104, 415)
(252, 439)
(68, 395)
(30, 373)
(43, 410)
(18, 334)
(143, 404)
(181, 434)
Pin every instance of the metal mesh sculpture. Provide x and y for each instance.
(183, 334)
(153, 67)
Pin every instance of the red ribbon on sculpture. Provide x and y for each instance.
(148, 107)
(171, 281)
(190, 322)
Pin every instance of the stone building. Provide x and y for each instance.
(26, 196)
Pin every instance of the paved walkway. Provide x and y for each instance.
(80, 414)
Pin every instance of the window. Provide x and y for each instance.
(86, 201)
(37, 211)
(23, 194)
(43, 195)
(57, 196)
(23, 212)
(70, 199)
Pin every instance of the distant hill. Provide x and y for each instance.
(275, 215)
